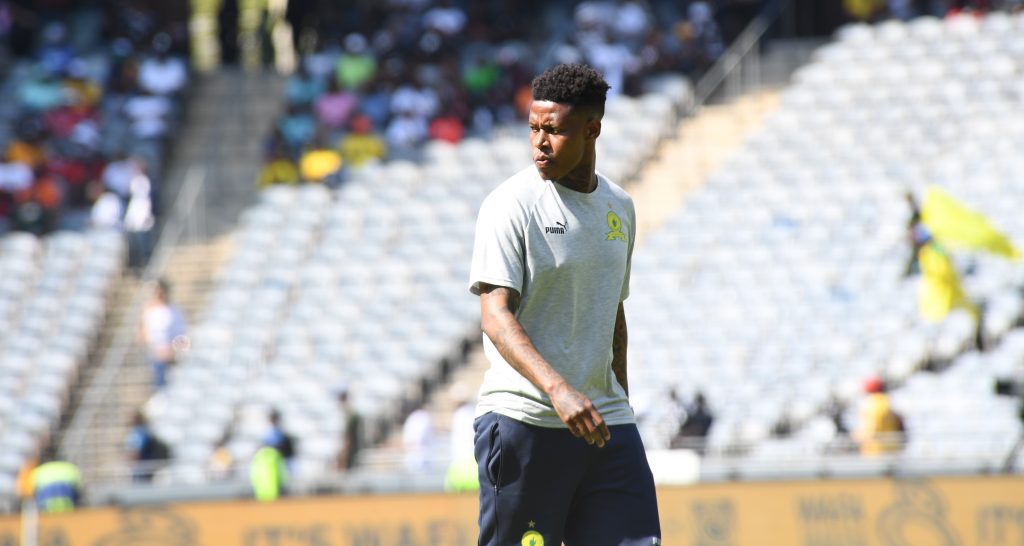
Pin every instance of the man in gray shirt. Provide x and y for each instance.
(559, 455)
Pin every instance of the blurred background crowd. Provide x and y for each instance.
(99, 88)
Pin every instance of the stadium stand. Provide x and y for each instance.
(782, 278)
(780, 281)
(378, 306)
(93, 93)
(91, 99)
(53, 294)
(427, 72)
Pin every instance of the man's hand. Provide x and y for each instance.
(579, 413)
(497, 306)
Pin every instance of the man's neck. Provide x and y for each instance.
(583, 178)
(581, 185)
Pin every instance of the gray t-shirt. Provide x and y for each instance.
(568, 255)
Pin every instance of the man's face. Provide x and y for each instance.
(559, 137)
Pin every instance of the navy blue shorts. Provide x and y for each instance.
(543, 486)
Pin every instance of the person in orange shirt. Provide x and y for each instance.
(27, 151)
(37, 207)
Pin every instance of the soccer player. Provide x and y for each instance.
(560, 458)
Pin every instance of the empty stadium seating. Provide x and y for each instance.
(53, 294)
(780, 283)
(364, 288)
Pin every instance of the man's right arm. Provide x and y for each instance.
(497, 306)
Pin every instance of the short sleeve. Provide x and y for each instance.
(629, 252)
(498, 247)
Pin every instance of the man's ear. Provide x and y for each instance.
(593, 128)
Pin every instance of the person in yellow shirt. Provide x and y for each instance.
(280, 169)
(941, 291)
(864, 10)
(319, 164)
(362, 144)
(879, 429)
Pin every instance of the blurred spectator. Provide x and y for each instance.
(303, 87)
(15, 176)
(277, 438)
(864, 10)
(631, 22)
(27, 149)
(376, 103)
(706, 35)
(614, 60)
(841, 441)
(445, 18)
(420, 100)
(320, 164)
(117, 175)
(56, 51)
(334, 107)
(23, 482)
(447, 127)
(107, 211)
(462, 468)
(352, 442)
(36, 207)
(696, 422)
(418, 439)
(161, 74)
(356, 65)
(321, 63)
(162, 327)
(362, 144)
(879, 428)
(145, 450)
(148, 113)
(480, 77)
(268, 474)
(222, 463)
(41, 91)
(297, 128)
(279, 169)
(138, 218)
(405, 133)
(56, 485)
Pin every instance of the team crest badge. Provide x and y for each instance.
(615, 227)
(532, 538)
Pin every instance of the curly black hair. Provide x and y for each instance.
(575, 84)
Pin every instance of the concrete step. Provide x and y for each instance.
(702, 144)
(190, 276)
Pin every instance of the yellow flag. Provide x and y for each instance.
(940, 290)
(956, 226)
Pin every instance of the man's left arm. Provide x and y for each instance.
(619, 339)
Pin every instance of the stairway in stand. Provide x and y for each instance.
(229, 116)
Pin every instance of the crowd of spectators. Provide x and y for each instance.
(382, 78)
(93, 95)
(877, 10)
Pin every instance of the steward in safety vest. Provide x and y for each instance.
(57, 486)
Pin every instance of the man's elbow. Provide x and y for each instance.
(489, 325)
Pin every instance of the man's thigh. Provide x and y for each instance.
(616, 503)
(528, 476)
